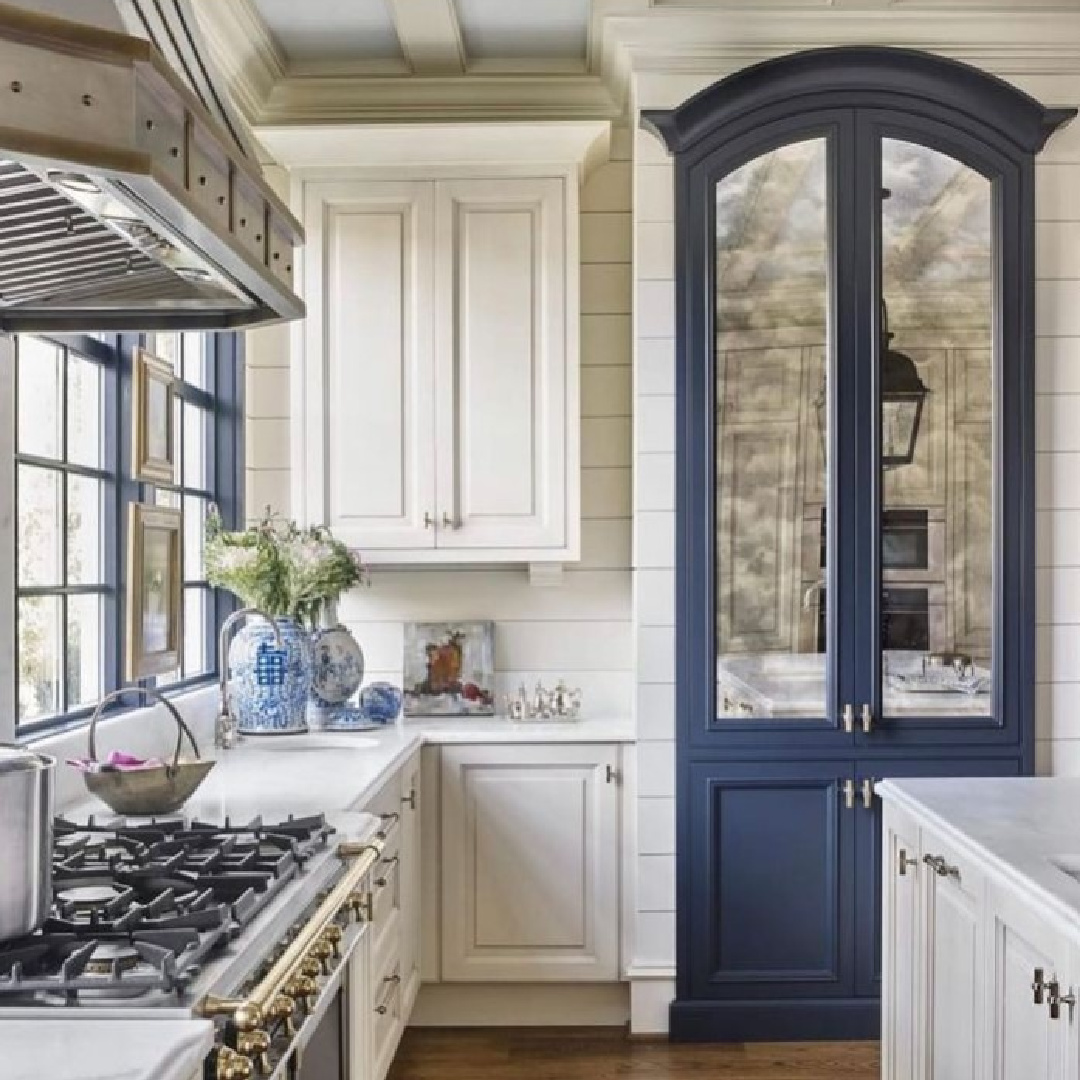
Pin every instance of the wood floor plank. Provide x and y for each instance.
(607, 1054)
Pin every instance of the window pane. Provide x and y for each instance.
(165, 347)
(195, 360)
(195, 428)
(39, 657)
(771, 346)
(84, 521)
(195, 601)
(84, 412)
(937, 438)
(84, 640)
(194, 524)
(39, 525)
(40, 397)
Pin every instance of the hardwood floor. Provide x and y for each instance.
(607, 1054)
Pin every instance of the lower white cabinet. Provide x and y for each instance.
(530, 863)
(971, 970)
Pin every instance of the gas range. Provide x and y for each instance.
(251, 924)
(140, 907)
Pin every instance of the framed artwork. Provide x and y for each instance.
(154, 590)
(152, 443)
(449, 669)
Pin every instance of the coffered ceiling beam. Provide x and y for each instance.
(430, 36)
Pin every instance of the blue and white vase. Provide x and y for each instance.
(380, 702)
(269, 685)
(337, 664)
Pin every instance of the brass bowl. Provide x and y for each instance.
(160, 789)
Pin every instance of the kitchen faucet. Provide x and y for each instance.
(225, 726)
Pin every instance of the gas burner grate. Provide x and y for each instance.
(138, 906)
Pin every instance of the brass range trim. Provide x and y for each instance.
(249, 1013)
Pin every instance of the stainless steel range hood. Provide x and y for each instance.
(123, 204)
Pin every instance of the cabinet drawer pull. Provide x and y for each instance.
(868, 794)
(410, 799)
(1055, 999)
(1038, 986)
(388, 823)
(867, 720)
(429, 521)
(449, 522)
(849, 718)
(391, 982)
(940, 867)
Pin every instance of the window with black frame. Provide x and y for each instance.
(71, 486)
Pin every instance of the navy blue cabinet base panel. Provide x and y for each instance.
(855, 506)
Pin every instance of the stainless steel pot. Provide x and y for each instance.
(26, 826)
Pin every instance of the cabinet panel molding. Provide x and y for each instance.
(530, 863)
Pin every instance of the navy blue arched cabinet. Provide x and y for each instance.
(855, 505)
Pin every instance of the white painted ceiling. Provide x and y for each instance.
(336, 30)
(332, 29)
(524, 29)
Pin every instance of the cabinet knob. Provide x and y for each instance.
(848, 788)
(867, 720)
(868, 793)
(429, 521)
(611, 774)
(849, 718)
(449, 522)
(410, 799)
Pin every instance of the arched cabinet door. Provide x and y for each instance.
(855, 405)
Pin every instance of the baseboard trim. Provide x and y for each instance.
(522, 1005)
(774, 1021)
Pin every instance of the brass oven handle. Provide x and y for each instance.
(248, 1013)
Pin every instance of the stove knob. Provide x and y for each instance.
(232, 1065)
(358, 907)
(310, 968)
(322, 951)
(303, 988)
(333, 935)
(255, 1045)
(282, 1008)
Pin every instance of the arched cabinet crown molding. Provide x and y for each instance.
(905, 80)
(773, 361)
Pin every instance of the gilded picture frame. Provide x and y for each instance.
(155, 601)
(153, 395)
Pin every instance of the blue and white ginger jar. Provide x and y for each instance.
(337, 672)
(269, 685)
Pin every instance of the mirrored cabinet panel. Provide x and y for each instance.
(935, 393)
(772, 305)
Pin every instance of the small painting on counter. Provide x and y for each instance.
(450, 669)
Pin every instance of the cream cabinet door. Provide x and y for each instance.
(530, 863)
(900, 999)
(953, 898)
(504, 385)
(1025, 954)
(369, 363)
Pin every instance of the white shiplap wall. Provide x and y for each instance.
(1058, 606)
(580, 629)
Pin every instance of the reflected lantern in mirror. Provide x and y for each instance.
(903, 394)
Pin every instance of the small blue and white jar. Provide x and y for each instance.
(337, 671)
(269, 684)
(380, 702)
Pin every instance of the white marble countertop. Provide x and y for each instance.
(1020, 827)
(323, 772)
(90, 1048)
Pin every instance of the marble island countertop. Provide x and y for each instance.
(91, 1048)
(1026, 829)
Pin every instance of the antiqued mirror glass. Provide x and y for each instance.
(772, 244)
(936, 384)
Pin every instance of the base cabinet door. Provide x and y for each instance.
(952, 962)
(1029, 965)
(411, 890)
(771, 857)
(530, 863)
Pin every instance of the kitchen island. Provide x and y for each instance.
(981, 928)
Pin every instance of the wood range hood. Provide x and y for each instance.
(124, 204)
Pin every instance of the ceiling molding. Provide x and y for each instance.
(430, 35)
(580, 144)
(313, 100)
(244, 50)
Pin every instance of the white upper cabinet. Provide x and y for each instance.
(501, 365)
(372, 458)
(440, 364)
